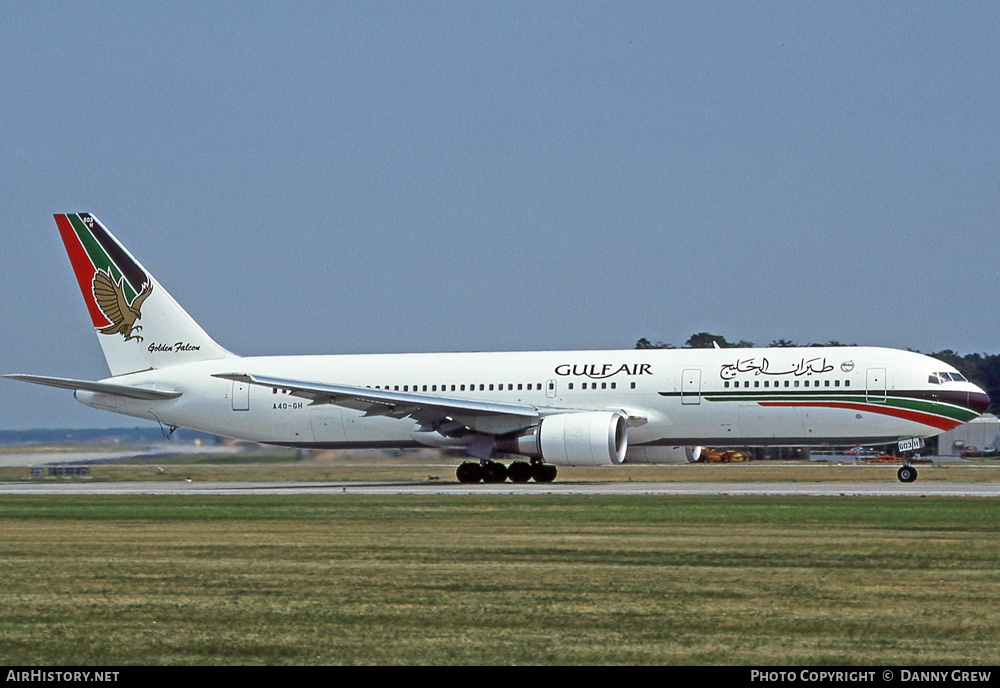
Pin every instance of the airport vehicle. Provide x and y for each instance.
(549, 407)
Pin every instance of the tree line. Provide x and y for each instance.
(982, 369)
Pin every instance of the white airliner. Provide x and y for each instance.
(552, 408)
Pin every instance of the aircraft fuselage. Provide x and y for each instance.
(726, 397)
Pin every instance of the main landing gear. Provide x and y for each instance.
(906, 473)
(496, 472)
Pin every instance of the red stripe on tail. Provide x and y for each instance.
(83, 269)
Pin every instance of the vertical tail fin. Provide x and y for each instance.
(138, 323)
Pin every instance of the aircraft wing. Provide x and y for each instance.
(481, 416)
(101, 387)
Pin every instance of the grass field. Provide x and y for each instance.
(343, 579)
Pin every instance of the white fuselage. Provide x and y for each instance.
(674, 397)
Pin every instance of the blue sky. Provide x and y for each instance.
(381, 177)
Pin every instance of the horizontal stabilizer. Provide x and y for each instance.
(100, 387)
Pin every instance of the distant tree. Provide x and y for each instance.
(782, 343)
(646, 344)
(706, 340)
(952, 359)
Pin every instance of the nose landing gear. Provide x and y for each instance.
(906, 473)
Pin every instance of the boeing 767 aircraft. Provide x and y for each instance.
(553, 408)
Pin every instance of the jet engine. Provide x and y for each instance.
(592, 438)
(662, 455)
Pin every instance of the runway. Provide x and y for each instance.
(148, 453)
(817, 489)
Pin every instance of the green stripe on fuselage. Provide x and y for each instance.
(937, 408)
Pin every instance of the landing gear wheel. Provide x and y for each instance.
(469, 472)
(494, 472)
(519, 472)
(906, 473)
(543, 472)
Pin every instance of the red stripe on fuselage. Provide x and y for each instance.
(907, 414)
(82, 268)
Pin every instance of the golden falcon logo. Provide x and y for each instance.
(110, 296)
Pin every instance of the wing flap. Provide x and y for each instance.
(483, 416)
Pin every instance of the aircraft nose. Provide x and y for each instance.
(979, 401)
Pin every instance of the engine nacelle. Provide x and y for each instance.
(662, 455)
(592, 438)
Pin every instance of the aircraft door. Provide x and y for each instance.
(550, 389)
(875, 387)
(241, 396)
(327, 423)
(691, 386)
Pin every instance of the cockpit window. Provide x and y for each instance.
(938, 378)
